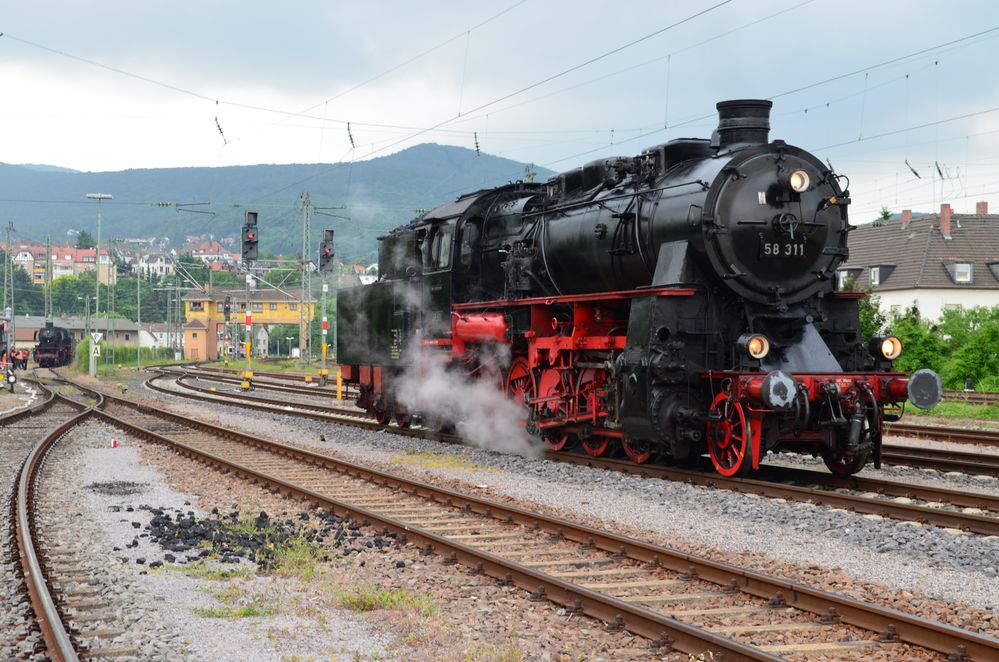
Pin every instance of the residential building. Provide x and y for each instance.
(937, 262)
(210, 251)
(156, 265)
(206, 334)
(66, 261)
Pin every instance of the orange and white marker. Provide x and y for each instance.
(114, 443)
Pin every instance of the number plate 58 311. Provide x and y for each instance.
(778, 249)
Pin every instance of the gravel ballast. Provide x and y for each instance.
(943, 564)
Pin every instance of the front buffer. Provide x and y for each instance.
(837, 415)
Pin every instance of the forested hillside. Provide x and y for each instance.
(375, 196)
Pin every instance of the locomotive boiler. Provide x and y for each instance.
(667, 305)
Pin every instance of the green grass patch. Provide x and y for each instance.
(119, 355)
(274, 365)
(202, 570)
(961, 410)
(246, 611)
(298, 557)
(366, 597)
(438, 460)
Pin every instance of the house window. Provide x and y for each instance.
(841, 279)
(962, 272)
(258, 307)
(198, 305)
(220, 309)
(126, 336)
(292, 306)
(194, 334)
(875, 276)
(272, 306)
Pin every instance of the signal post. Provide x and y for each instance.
(325, 264)
(249, 254)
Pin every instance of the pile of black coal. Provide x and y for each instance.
(235, 536)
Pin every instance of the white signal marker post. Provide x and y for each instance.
(95, 352)
(248, 375)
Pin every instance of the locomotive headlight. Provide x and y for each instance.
(886, 347)
(754, 345)
(799, 181)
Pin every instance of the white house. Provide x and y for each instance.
(937, 262)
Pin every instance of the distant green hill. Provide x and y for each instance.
(378, 195)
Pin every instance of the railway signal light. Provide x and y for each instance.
(250, 236)
(227, 307)
(326, 251)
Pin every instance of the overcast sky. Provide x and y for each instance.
(115, 85)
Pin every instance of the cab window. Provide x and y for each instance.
(438, 256)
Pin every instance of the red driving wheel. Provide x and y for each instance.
(596, 445)
(639, 451)
(729, 438)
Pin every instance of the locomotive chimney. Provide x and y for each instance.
(742, 121)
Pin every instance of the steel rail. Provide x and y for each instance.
(25, 412)
(771, 472)
(58, 641)
(281, 385)
(936, 636)
(942, 460)
(972, 397)
(941, 433)
(959, 435)
(973, 522)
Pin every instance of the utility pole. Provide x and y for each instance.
(304, 323)
(10, 288)
(99, 197)
(110, 324)
(138, 318)
(48, 278)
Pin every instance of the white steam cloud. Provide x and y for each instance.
(476, 404)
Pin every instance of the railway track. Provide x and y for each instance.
(677, 601)
(287, 384)
(972, 397)
(975, 512)
(941, 433)
(29, 435)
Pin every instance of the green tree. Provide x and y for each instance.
(883, 216)
(85, 240)
(872, 320)
(29, 299)
(978, 358)
(922, 346)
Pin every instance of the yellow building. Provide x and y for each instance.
(206, 335)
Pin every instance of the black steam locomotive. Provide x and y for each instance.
(669, 304)
(55, 346)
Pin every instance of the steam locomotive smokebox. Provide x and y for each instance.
(742, 121)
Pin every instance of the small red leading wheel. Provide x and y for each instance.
(730, 441)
